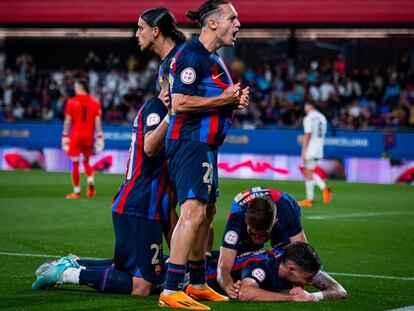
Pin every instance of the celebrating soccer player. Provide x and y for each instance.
(82, 122)
(203, 100)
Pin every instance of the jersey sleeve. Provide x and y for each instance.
(307, 125)
(293, 215)
(68, 108)
(233, 231)
(188, 74)
(153, 113)
(255, 270)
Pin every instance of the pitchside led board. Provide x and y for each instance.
(262, 153)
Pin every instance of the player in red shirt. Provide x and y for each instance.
(82, 123)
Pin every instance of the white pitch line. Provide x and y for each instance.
(355, 215)
(407, 308)
(372, 276)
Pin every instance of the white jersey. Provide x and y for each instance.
(315, 124)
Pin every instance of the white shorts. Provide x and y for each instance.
(310, 164)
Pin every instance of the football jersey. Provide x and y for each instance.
(288, 220)
(314, 123)
(166, 62)
(146, 191)
(83, 109)
(195, 71)
(260, 266)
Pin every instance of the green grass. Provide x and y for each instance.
(367, 229)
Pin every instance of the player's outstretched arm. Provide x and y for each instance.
(224, 278)
(182, 103)
(330, 288)
(250, 291)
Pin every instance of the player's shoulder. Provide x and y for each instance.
(192, 50)
(153, 104)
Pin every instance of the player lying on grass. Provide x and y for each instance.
(257, 215)
(260, 276)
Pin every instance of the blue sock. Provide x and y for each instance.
(197, 270)
(102, 263)
(107, 280)
(175, 277)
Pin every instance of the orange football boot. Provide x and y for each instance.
(180, 300)
(90, 192)
(204, 293)
(305, 203)
(73, 196)
(327, 195)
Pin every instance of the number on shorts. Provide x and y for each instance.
(155, 259)
(208, 176)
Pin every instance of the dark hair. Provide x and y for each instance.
(261, 213)
(205, 10)
(83, 83)
(303, 255)
(165, 21)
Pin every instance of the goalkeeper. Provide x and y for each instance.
(82, 124)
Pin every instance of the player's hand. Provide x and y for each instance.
(231, 95)
(100, 144)
(296, 290)
(244, 98)
(302, 295)
(234, 289)
(166, 99)
(65, 144)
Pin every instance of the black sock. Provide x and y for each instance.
(107, 280)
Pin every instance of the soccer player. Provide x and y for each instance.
(203, 100)
(314, 125)
(261, 276)
(256, 216)
(82, 123)
(145, 199)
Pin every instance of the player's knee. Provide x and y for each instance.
(194, 211)
(140, 287)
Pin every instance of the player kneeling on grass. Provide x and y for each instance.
(261, 276)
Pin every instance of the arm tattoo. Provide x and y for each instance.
(331, 289)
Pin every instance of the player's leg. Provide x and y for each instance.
(74, 153)
(326, 191)
(309, 165)
(90, 190)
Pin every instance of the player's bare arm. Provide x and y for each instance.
(224, 278)
(301, 237)
(330, 288)
(154, 140)
(187, 104)
(250, 291)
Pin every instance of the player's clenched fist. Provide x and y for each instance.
(231, 94)
(244, 98)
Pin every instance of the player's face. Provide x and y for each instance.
(144, 35)
(258, 236)
(227, 25)
(300, 278)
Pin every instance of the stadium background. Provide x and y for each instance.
(355, 57)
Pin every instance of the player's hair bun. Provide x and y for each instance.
(193, 15)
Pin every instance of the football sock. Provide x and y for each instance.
(175, 278)
(75, 176)
(71, 276)
(310, 185)
(107, 280)
(96, 264)
(318, 181)
(88, 171)
(197, 270)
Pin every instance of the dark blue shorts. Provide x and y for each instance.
(138, 247)
(193, 171)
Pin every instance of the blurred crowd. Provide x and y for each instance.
(351, 98)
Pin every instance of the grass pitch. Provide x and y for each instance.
(365, 237)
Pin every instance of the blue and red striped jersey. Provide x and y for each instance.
(195, 71)
(288, 223)
(146, 191)
(166, 61)
(260, 266)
